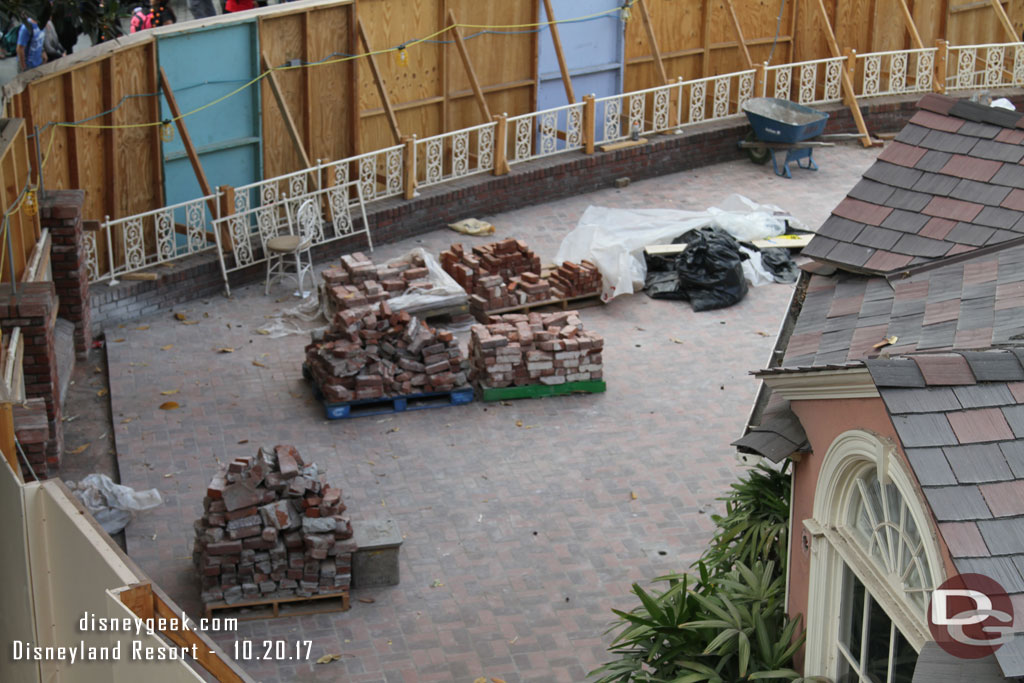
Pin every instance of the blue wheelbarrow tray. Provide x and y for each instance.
(783, 123)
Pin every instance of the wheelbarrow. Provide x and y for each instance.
(783, 125)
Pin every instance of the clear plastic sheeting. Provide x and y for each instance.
(112, 504)
(614, 239)
(445, 291)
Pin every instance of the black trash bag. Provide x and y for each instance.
(778, 262)
(711, 270)
(708, 273)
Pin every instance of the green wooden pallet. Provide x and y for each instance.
(592, 386)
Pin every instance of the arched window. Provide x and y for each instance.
(886, 530)
(874, 563)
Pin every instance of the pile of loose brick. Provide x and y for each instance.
(507, 274)
(272, 527)
(371, 352)
(358, 281)
(535, 348)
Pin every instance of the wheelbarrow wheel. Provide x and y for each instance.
(759, 155)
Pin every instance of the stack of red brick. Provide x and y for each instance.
(535, 348)
(571, 280)
(371, 352)
(272, 528)
(507, 274)
(358, 281)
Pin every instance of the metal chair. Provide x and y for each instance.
(281, 250)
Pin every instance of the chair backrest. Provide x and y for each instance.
(309, 221)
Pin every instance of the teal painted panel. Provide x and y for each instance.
(202, 66)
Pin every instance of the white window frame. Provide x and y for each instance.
(834, 547)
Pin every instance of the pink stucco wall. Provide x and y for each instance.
(823, 421)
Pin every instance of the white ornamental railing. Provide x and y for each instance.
(242, 237)
(379, 173)
(146, 239)
(455, 155)
(543, 133)
(259, 209)
(897, 72)
(818, 81)
(985, 66)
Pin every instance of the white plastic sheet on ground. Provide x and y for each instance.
(112, 504)
(614, 239)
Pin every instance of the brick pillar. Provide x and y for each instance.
(61, 212)
(34, 310)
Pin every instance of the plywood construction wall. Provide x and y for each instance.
(431, 92)
(337, 107)
(318, 97)
(14, 174)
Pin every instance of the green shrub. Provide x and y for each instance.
(727, 621)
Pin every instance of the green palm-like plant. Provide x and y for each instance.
(726, 622)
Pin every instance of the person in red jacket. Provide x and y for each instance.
(238, 5)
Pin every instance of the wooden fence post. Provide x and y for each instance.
(410, 166)
(501, 144)
(941, 57)
(227, 207)
(760, 79)
(589, 123)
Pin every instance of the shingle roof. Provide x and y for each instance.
(948, 184)
(972, 304)
(960, 419)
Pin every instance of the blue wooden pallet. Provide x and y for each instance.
(389, 404)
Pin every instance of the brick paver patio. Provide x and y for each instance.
(518, 540)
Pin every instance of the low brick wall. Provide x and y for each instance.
(535, 182)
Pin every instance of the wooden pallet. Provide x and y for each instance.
(582, 301)
(386, 405)
(271, 608)
(591, 386)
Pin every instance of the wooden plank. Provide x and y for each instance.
(847, 82)
(1011, 34)
(307, 109)
(705, 38)
(739, 33)
(501, 145)
(589, 123)
(74, 166)
(442, 17)
(208, 657)
(131, 164)
(7, 438)
(353, 87)
(481, 101)
(330, 107)
(139, 599)
(275, 604)
(111, 185)
(289, 122)
(789, 241)
(663, 249)
(190, 150)
(378, 79)
(155, 141)
(653, 42)
(557, 41)
(908, 19)
(625, 144)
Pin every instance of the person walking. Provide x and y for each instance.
(30, 45)
(201, 9)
